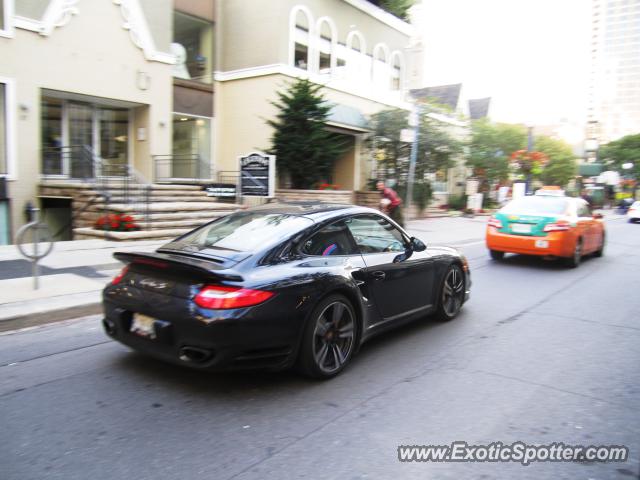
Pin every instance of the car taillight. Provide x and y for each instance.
(118, 278)
(220, 298)
(632, 209)
(557, 227)
(494, 222)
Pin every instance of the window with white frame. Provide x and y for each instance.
(356, 50)
(396, 71)
(380, 70)
(326, 43)
(300, 36)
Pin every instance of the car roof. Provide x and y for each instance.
(316, 211)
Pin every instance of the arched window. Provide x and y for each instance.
(327, 41)
(300, 33)
(397, 70)
(356, 54)
(380, 70)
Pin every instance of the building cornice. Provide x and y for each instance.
(339, 85)
(382, 16)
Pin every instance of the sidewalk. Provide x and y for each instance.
(72, 277)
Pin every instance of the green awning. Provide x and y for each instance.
(590, 169)
(343, 115)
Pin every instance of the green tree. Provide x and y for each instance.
(437, 149)
(305, 149)
(490, 148)
(399, 8)
(625, 150)
(561, 166)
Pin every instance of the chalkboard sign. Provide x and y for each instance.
(257, 175)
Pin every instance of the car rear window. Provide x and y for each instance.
(243, 232)
(536, 205)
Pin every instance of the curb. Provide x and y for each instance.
(42, 318)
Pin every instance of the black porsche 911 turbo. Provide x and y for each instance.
(281, 285)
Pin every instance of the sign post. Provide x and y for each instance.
(257, 175)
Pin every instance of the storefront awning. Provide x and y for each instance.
(347, 117)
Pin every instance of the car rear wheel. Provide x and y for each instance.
(496, 255)
(451, 294)
(600, 251)
(329, 338)
(576, 258)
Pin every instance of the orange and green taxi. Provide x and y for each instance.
(547, 224)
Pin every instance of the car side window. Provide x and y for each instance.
(333, 239)
(374, 234)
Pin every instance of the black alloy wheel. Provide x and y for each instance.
(452, 293)
(329, 339)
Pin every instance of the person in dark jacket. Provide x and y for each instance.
(390, 203)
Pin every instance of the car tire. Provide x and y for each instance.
(576, 258)
(600, 251)
(452, 293)
(329, 339)
(496, 255)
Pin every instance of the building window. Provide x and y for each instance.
(380, 71)
(191, 147)
(193, 47)
(396, 71)
(300, 30)
(326, 43)
(357, 55)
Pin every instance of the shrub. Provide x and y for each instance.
(116, 223)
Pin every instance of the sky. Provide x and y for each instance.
(530, 56)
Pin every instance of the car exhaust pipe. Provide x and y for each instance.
(195, 354)
(109, 326)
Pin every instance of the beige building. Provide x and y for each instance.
(97, 90)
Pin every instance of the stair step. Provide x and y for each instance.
(160, 225)
(141, 199)
(171, 207)
(139, 235)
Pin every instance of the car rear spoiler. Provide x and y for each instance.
(208, 268)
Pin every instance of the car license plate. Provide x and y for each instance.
(143, 325)
(520, 228)
(542, 244)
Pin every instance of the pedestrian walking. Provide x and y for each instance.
(390, 203)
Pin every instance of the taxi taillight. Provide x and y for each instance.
(494, 222)
(560, 226)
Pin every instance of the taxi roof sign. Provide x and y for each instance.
(552, 190)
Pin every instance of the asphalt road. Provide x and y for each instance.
(540, 354)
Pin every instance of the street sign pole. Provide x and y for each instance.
(414, 154)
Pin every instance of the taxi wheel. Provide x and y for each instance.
(574, 260)
(496, 255)
(600, 251)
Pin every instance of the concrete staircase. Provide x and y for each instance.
(171, 210)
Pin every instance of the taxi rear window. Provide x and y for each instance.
(537, 205)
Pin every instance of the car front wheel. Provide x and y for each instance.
(329, 338)
(451, 293)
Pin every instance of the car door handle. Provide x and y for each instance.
(378, 275)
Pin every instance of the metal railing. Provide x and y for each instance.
(187, 167)
(115, 182)
(228, 176)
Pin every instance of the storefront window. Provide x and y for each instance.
(193, 46)
(114, 139)
(51, 136)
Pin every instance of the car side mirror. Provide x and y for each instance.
(417, 245)
(597, 216)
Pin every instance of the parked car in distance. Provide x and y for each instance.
(280, 286)
(633, 214)
(548, 226)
